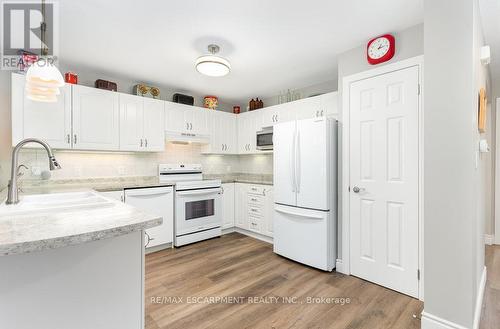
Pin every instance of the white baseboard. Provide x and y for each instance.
(430, 321)
(254, 235)
(479, 300)
(489, 239)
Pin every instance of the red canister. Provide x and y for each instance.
(71, 77)
(236, 110)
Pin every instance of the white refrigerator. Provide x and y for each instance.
(305, 191)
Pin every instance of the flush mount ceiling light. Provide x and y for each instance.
(213, 65)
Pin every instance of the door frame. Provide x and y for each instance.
(496, 216)
(343, 264)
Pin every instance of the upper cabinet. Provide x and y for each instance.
(223, 133)
(96, 119)
(48, 121)
(185, 119)
(86, 118)
(276, 114)
(318, 106)
(142, 124)
(248, 125)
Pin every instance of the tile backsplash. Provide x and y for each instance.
(108, 164)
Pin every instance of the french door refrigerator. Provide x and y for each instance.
(305, 191)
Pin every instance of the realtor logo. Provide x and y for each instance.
(22, 32)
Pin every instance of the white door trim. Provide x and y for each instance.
(343, 264)
(496, 236)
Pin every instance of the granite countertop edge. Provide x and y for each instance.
(26, 247)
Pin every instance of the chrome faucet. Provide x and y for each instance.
(13, 193)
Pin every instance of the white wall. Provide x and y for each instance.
(5, 130)
(409, 43)
(453, 255)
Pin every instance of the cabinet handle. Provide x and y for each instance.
(191, 126)
(121, 198)
(146, 142)
(141, 142)
(187, 125)
(321, 112)
(68, 139)
(317, 113)
(74, 139)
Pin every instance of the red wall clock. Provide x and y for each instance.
(381, 49)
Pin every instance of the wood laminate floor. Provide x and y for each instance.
(180, 283)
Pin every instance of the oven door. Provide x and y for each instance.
(197, 210)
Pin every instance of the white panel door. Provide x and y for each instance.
(96, 119)
(154, 125)
(311, 156)
(228, 214)
(50, 122)
(131, 123)
(384, 179)
(284, 163)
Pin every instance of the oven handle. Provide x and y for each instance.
(199, 192)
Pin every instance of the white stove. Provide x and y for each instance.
(198, 206)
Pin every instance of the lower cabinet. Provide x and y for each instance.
(155, 200)
(254, 208)
(228, 205)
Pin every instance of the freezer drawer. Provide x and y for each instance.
(306, 236)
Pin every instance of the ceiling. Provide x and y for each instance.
(272, 45)
(490, 13)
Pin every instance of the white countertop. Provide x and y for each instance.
(48, 229)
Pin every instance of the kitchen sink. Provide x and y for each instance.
(55, 202)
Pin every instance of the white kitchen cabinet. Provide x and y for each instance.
(228, 202)
(181, 118)
(141, 124)
(159, 201)
(223, 133)
(248, 125)
(276, 114)
(254, 204)
(317, 106)
(96, 119)
(115, 195)
(241, 205)
(48, 121)
(154, 125)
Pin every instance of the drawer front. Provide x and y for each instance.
(254, 224)
(256, 189)
(254, 211)
(254, 199)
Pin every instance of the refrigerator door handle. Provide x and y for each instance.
(297, 166)
(292, 162)
(296, 214)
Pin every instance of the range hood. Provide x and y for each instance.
(186, 138)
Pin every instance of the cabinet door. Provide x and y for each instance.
(268, 211)
(228, 214)
(241, 206)
(230, 134)
(175, 117)
(307, 108)
(50, 122)
(131, 123)
(154, 125)
(329, 104)
(159, 201)
(196, 119)
(243, 122)
(96, 119)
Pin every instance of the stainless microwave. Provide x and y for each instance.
(265, 139)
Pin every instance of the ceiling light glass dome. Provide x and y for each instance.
(212, 65)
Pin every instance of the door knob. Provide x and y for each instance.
(356, 189)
